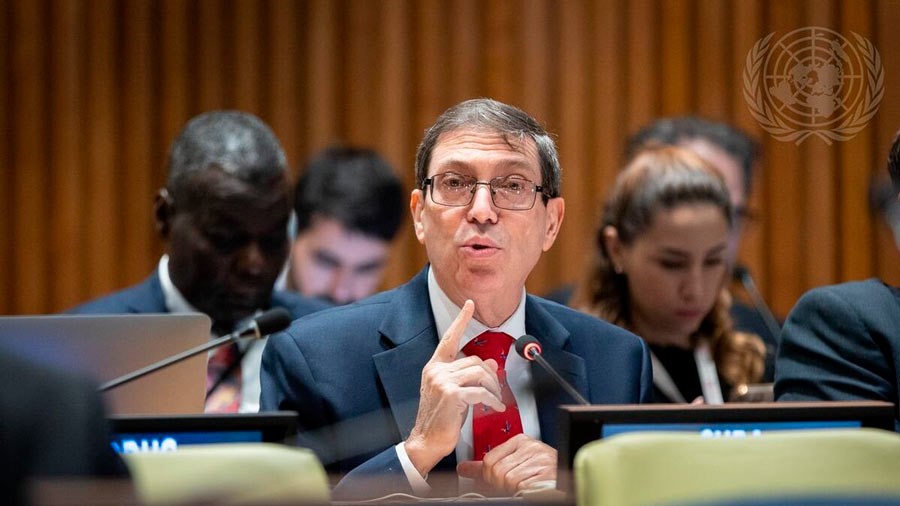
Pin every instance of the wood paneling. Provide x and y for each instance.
(94, 91)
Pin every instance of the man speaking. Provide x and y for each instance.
(421, 379)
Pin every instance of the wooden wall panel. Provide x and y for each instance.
(395, 126)
(887, 124)
(66, 164)
(134, 174)
(102, 212)
(213, 41)
(715, 68)
(94, 91)
(608, 114)
(248, 41)
(30, 111)
(574, 129)
(856, 161)
(784, 211)
(282, 73)
(7, 172)
(321, 79)
(644, 80)
(819, 173)
(172, 75)
(746, 24)
(675, 54)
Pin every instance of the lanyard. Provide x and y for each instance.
(706, 370)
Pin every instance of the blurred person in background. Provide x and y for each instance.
(223, 215)
(734, 155)
(349, 204)
(842, 342)
(660, 270)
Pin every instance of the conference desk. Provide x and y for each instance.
(264, 472)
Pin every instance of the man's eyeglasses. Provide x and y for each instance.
(507, 192)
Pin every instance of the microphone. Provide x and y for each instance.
(269, 322)
(530, 349)
(742, 275)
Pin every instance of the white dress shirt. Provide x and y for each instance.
(251, 362)
(518, 376)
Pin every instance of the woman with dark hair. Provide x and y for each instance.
(660, 271)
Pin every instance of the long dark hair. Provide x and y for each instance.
(661, 178)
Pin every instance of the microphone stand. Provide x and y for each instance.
(758, 302)
(536, 356)
(252, 330)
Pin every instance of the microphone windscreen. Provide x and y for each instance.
(526, 342)
(273, 320)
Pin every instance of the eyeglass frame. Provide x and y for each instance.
(538, 189)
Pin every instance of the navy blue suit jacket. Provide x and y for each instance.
(147, 297)
(841, 342)
(353, 373)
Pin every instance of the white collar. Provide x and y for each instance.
(445, 312)
(175, 301)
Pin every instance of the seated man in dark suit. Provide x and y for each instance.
(51, 426)
(223, 215)
(422, 379)
(842, 342)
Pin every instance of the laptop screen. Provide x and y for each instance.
(131, 434)
(104, 347)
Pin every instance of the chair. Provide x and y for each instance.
(229, 474)
(677, 468)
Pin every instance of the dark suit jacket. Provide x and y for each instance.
(147, 297)
(353, 373)
(841, 342)
(51, 425)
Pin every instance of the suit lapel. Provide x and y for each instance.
(548, 394)
(410, 334)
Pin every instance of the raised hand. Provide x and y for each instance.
(449, 387)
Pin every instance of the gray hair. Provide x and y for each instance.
(494, 116)
(234, 142)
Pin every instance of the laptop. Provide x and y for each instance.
(136, 433)
(580, 425)
(104, 347)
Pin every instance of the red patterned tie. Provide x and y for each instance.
(491, 428)
(226, 396)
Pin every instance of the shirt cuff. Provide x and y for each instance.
(416, 481)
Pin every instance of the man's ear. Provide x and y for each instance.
(556, 210)
(163, 212)
(416, 206)
(613, 246)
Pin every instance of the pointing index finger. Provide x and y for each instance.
(448, 347)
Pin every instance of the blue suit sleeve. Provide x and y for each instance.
(288, 383)
(377, 477)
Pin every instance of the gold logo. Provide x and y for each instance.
(813, 82)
